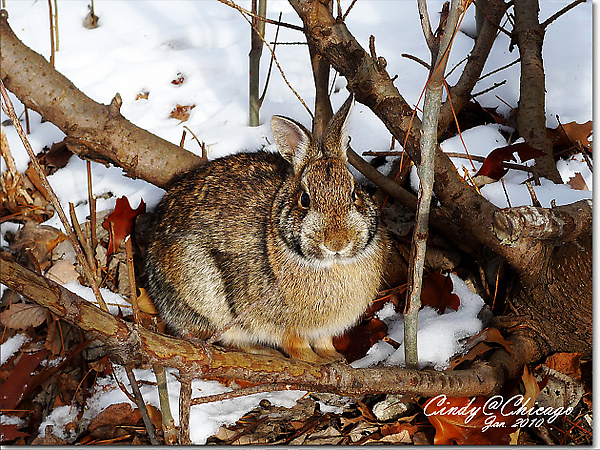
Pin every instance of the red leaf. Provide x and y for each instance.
(493, 166)
(462, 420)
(437, 293)
(12, 390)
(355, 343)
(122, 220)
(10, 433)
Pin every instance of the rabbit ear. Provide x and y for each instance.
(293, 141)
(335, 138)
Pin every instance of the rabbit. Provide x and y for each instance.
(287, 246)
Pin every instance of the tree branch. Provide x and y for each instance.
(531, 117)
(131, 344)
(558, 225)
(94, 131)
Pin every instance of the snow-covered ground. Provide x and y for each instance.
(142, 46)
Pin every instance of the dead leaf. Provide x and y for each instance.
(21, 316)
(437, 293)
(494, 335)
(10, 432)
(569, 134)
(577, 182)
(17, 383)
(477, 351)
(532, 389)
(462, 421)
(62, 272)
(181, 112)
(145, 303)
(355, 343)
(493, 166)
(567, 363)
(121, 221)
(179, 79)
(115, 415)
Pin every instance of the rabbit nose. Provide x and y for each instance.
(337, 244)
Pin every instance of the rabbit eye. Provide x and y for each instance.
(354, 195)
(304, 199)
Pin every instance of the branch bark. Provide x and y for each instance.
(131, 344)
(94, 131)
(531, 117)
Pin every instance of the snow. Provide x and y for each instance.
(142, 46)
(12, 346)
(438, 335)
(205, 419)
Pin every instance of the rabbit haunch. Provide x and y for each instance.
(286, 245)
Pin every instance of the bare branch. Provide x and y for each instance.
(564, 10)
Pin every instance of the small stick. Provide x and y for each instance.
(10, 111)
(185, 399)
(270, 387)
(534, 198)
(139, 400)
(131, 275)
(81, 237)
(92, 202)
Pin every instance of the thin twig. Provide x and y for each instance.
(264, 19)
(139, 400)
(131, 277)
(534, 200)
(9, 110)
(81, 237)
(491, 88)
(271, 387)
(556, 15)
(242, 11)
(185, 399)
(92, 202)
(348, 10)
(426, 24)
(262, 97)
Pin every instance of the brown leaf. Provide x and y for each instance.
(122, 220)
(56, 158)
(145, 303)
(437, 293)
(355, 343)
(462, 421)
(21, 316)
(17, 383)
(115, 415)
(577, 182)
(493, 166)
(62, 272)
(181, 113)
(179, 79)
(532, 388)
(473, 353)
(10, 432)
(567, 363)
(570, 134)
(494, 335)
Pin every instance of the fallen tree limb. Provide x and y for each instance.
(94, 131)
(131, 344)
(558, 225)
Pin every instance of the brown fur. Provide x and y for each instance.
(236, 238)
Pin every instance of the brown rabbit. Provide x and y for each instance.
(286, 244)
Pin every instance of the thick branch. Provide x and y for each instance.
(94, 131)
(130, 344)
(531, 118)
(557, 225)
(460, 93)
